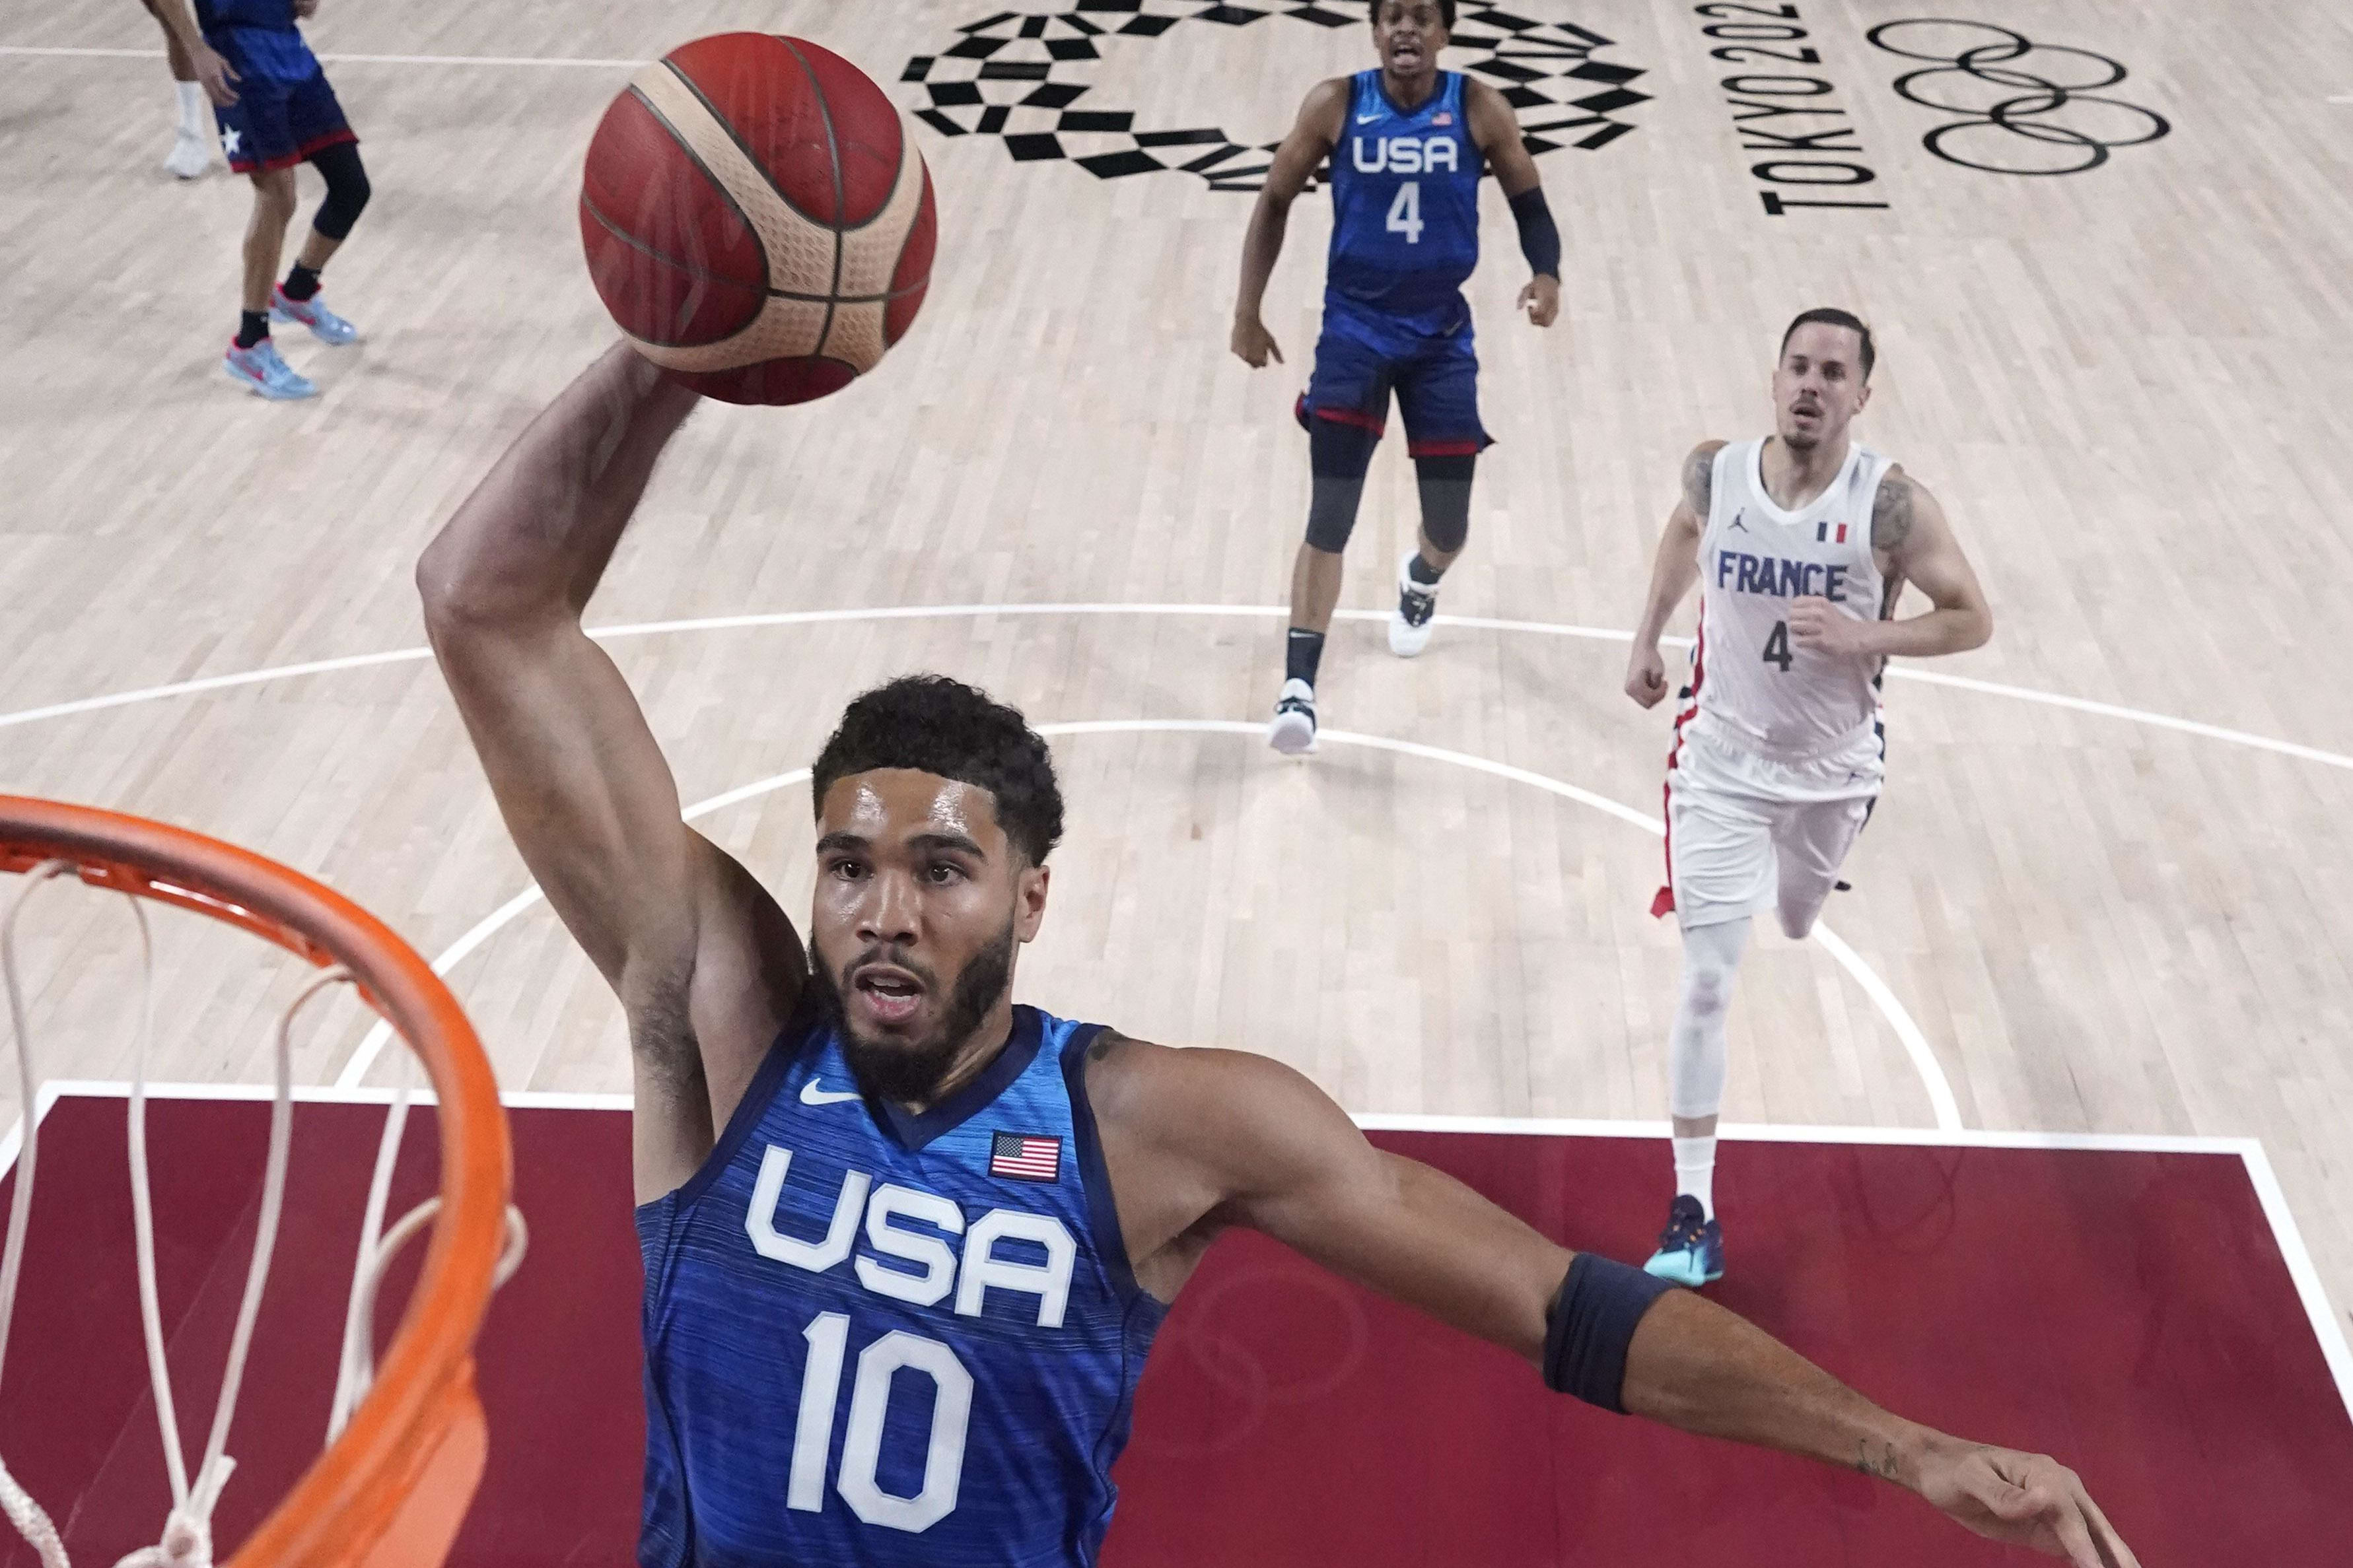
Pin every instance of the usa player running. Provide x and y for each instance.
(907, 1243)
(1408, 143)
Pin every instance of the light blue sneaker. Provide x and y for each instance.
(324, 325)
(1691, 1249)
(259, 368)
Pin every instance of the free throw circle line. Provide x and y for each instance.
(1915, 1044)
(947, 612)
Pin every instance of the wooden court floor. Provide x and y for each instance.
(2109, 888)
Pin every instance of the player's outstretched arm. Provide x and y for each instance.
(1495, 130)
(1312, 136)
(1674, 570)
(1910, 532)
(704, 963)
(1263, 1147)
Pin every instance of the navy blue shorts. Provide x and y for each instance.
(1436, 381)
(282, 115)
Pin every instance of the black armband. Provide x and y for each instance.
(1539, 239)
(1593, 1320)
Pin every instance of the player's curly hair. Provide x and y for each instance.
(938, 725)
(1445, 12)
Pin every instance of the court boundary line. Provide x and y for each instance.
(2286, 1235)
(1942, 1104)
(1898, 672)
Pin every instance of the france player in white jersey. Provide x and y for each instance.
(1801, 542)
(906, 1243)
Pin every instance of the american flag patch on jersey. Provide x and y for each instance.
(1442, 120)
(1822, 533)
(1025, 1158)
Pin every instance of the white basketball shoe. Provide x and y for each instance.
(1416, 603)
(191, 156)
(1292, 732)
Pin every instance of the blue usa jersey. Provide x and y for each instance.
(875, 1338)
(1405, 210)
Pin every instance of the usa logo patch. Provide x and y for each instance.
(1443, 117)
(1025, 1157)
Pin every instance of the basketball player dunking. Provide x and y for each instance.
(1802, 544)
(1408, 143)
(906, 1243)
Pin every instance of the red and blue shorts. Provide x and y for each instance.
(285, 111)
(1435, 381)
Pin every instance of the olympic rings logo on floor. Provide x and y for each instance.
(2028, 108)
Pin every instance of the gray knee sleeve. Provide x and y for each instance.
(1445, 484)
(1339, 455)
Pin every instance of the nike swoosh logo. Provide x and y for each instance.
(1366, 119)
(812, 1095)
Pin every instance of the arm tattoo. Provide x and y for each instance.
(1891, 514)
(1699, 482)
(1883, 1466)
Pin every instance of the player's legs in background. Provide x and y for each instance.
(1444, 481)
(265, 241)
(297, 300)
(1697, 1067)
(1720, 866)
(1339, 456)
(252, 358)
(1439, 397)
(1343, 409)
(191, 146)
(1811, 842)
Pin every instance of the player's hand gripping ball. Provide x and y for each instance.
(757, 218)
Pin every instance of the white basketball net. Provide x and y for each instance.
(186, 1541)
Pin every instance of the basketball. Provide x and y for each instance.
(757, 218)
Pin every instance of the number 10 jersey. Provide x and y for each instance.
(1754, 688)
(877, 1338)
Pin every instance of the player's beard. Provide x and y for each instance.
(910, 1071)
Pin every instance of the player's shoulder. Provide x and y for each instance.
(1480, 96)
(1331, 93)
(1898, 506)
(1486, 109)
(1324, 109)
(1697, 476)
(1168, 1094)
(1899, 488)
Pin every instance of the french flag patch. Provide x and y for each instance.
(1025, 1158)
(1822, 533)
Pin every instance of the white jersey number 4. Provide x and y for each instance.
(1404, 212)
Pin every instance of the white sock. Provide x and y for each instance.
(192, 108)
(1695, 1172)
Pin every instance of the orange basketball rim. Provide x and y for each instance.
(395, 1486)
